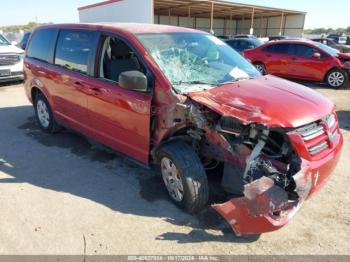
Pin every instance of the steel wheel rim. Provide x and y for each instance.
(43, 113)
(260, 68)
(172, 179)
(336, 79)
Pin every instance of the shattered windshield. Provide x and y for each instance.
(196, 61)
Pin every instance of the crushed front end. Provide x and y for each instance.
(282, 168)
(268, 172)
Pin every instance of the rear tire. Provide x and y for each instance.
(184, 176)
(261, 68)
(44, 115)
(337, 78)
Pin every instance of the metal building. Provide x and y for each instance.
(222, 17)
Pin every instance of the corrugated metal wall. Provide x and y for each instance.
(292, 25)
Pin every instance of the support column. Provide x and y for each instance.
(212, 17)
(281, 26)
(251, 31)
(169, 17)
(231, 28)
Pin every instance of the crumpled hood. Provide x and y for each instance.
(344, 55)
(267, 100)
(7, 49)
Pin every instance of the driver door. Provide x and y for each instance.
(120, 118)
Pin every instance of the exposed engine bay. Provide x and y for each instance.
(252, 151)
(259, 165)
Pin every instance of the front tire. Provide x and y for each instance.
(337, 78)
(44, 115)
(184, 176)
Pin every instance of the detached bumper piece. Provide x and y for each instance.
(265, 207)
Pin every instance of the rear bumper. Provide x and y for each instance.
(270, 208)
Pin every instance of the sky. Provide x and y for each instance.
(321, 13)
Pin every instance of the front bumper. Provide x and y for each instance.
(15, 72)
(15, 76)
(265, 206)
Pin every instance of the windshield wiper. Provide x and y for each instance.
(196, 82)
(234, 80)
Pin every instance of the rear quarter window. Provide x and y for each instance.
(270, 48)
(42, 44)
(278, 48)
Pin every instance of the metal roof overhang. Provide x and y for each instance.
(221, 9)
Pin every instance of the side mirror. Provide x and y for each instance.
(14, 43)
(316, 55)
(133, 80)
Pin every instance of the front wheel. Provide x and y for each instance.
(184, 176)
(337, 78)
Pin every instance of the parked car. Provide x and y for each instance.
(333, 44)
(23, 43)
(185, 101)
(11, 61)
(277, 37)
(244, 36)
(241, 44)
(282, 37)
(348, 40)
(300, 59)
(339, 39)
(223, 37)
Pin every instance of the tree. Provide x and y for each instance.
(319, 31)
(28, 27)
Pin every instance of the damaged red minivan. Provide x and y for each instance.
(185, 101)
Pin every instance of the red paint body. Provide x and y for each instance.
(296, 66)
(121, 119)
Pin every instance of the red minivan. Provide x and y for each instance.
(307, 60)
(183, 100)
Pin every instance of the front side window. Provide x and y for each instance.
(42, 44)
(117, 57)
(304, 50)
(73, 50)
(196, 61)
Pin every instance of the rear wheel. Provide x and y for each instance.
(337, 78)
(261, 68)
(44, 114)
(184, 176)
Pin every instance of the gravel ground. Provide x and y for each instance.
(62, 194)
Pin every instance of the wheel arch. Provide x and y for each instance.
(178, 135)
(333, 68)
(39, 88)
(34, 91)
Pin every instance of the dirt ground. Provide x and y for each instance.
(62, 194)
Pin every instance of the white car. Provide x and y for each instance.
(11, 61)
